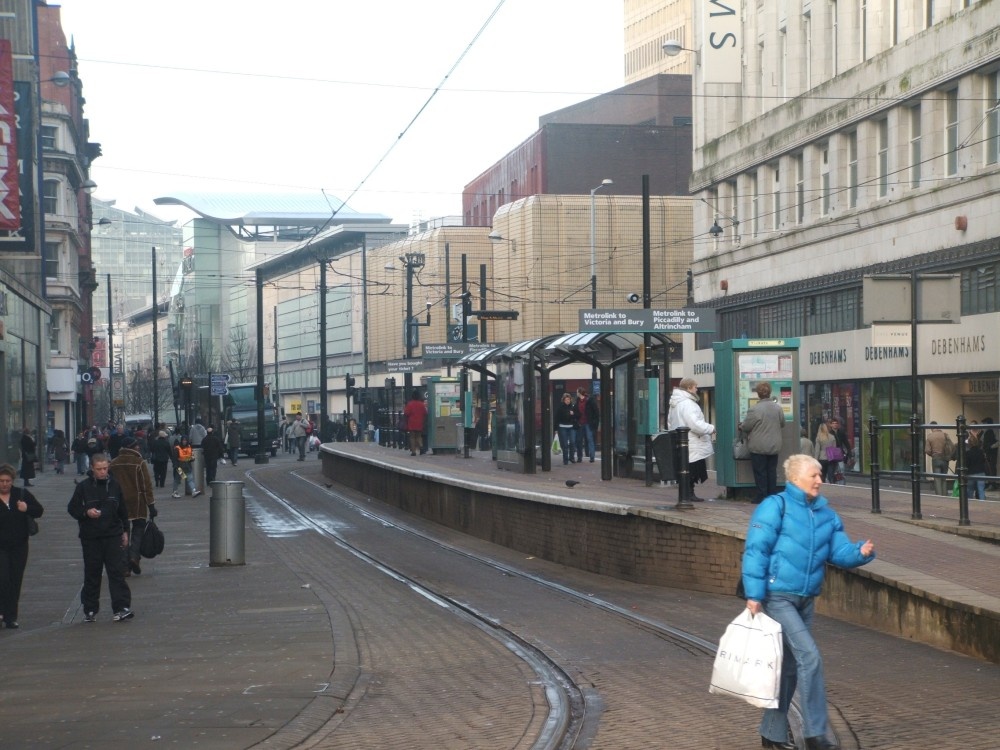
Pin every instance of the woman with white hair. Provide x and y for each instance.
(685, 411)
(792, 536)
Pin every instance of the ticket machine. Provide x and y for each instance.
(739, 365)
(444, 414)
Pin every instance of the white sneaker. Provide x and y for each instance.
(196, 493)
(175, 494)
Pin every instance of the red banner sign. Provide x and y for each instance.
(10, 199)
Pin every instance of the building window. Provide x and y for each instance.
(49, 134)
(993, 118)
(951, 132)
(800, 189)
(754, 206)
(776, 200)
(928, 13)
(50, 197)
(980, 293)
(52, 260)
(915, 136)
(852, 169)
(824, 179)
(882, 127)
(54, 332)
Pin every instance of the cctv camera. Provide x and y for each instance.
(429, 304)
(632, 298)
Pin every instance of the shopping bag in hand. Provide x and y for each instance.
(748, 662)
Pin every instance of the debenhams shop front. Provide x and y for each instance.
(853, 377)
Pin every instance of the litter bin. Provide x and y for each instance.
(227, 513)
(664, 451)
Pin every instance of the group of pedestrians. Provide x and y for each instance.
(577, 421)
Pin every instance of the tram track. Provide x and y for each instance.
(574, 705)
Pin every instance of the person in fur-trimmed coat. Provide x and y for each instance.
(131, 472)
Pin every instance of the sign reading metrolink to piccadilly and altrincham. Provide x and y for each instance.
(686, 320)
(455, 350)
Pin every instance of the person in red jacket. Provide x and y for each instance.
(415, 413)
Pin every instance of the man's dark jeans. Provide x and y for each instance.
(765, 474)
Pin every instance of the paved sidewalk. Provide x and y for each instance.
(212, 659)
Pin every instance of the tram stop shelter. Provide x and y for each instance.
(522, 426)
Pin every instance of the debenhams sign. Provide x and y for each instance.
(871, 354)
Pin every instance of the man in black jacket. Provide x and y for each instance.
(99, 508)
(212, 449)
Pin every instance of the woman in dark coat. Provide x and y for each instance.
(27, 457)
(16, 505)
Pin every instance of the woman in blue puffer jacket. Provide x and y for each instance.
(792, 536)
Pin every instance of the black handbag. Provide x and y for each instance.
(152, 540)
(32, 526)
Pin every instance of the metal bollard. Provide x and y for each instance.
(198, 469)
(227, 513)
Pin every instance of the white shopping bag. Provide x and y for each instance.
(748, 662)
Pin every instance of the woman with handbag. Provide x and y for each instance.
(791, 538)
(18, 511)
(821, 451)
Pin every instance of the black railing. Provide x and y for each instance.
(916, 473)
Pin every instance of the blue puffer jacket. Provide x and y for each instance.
(789, 542)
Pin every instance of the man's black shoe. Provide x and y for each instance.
(820, 743)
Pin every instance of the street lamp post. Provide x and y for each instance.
(411, 262)
(593, 256)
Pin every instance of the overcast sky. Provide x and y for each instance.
(254, 95)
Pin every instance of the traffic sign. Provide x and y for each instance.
(220, 378)
(687, 320)
(219, 389)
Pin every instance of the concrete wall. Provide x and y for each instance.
(643, 548)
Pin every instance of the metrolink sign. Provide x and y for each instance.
(684, 320)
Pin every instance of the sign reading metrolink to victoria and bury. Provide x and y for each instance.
(687, 320)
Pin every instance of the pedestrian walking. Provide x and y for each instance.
(160, 456)
(791, 538)
(233, 440)
(183, 458)
(131, 472)
(212, 450)
(28, 456)
(588, 423)
(79, 449)
(299, 436)
(17, 505)
(415, 414)
(100, 511)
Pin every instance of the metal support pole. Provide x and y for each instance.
(484, 386)
(647, 370)
(324, 390)
(156, 350)
(262, 452)
(683, 472)
(915, 473)
(408, 331)
(111, 355)
(873, 443)
(915, 432)
(962, 471)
